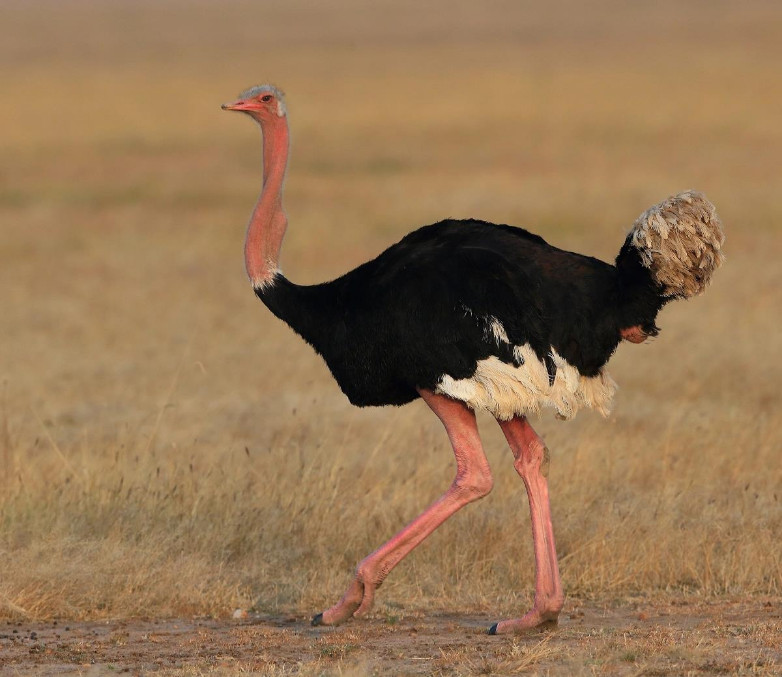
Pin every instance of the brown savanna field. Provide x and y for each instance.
(169, 450)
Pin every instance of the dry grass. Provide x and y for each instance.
(169, 448)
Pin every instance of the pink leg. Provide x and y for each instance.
(473, 481)
(532, 464)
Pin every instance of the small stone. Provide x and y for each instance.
(239, 614)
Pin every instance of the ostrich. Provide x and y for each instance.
(470, 315)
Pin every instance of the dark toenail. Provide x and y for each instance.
(317, 620)
(492, 629)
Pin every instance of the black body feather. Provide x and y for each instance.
(424, 307)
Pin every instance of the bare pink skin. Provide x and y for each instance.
(473, 481)
(633, 334)
(268, 221)
(531, 462)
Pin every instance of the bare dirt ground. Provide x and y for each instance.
(631, 638)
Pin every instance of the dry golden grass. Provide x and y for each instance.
(168, 447)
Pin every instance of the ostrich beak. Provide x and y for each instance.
(240, 105)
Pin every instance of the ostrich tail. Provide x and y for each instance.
(679, 241)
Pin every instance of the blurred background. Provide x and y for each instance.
(169, 447)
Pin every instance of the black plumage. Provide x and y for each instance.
(424, 307)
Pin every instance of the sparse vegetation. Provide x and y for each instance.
(167, 448)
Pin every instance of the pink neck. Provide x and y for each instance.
(268, 221)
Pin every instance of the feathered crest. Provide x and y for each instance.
(680, 240)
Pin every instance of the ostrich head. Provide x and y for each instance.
(263, 103)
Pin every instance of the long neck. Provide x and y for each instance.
(268, 221)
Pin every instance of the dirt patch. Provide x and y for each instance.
(725, 637)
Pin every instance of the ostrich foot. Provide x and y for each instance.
(356, 602)
(533, 621)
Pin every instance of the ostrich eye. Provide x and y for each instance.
(266, 97)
